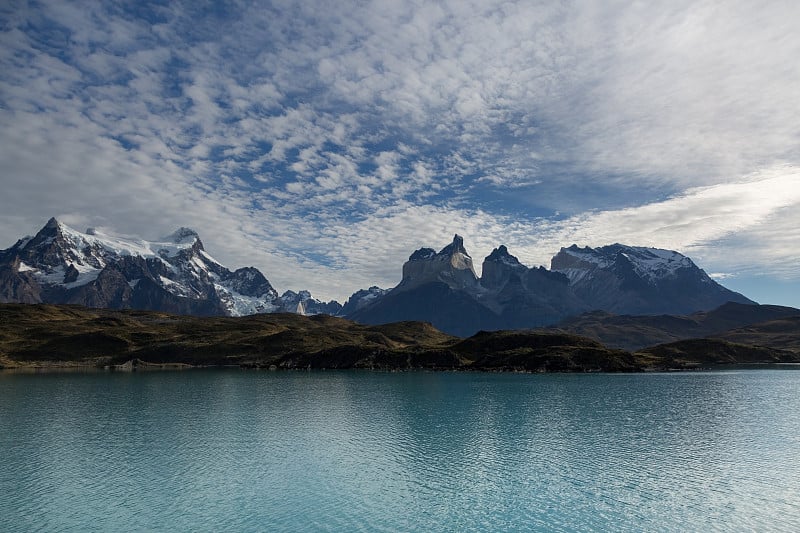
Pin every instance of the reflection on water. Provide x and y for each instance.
(245, 450)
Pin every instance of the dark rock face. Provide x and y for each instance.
(449, 310)
(16, 286)
(442, 288)
(250, 282)
(499, 267)
(526, 297)
(509, 295)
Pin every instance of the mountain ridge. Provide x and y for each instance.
(176, 274)
(62, 265)
(444, 289)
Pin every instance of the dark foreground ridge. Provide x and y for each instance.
(34, 336)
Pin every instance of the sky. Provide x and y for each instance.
(324, 142)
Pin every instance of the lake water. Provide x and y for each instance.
(214, 450)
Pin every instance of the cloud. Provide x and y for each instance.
(325, 144)
(741, 227)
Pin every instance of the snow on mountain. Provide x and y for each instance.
(442, 288)
(639, 280)
(62, 265)
(302, 303)
(650, 264)
(363, 298)
(175, 274)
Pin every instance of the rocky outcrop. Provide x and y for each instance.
(451, 266)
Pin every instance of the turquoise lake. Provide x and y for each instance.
(231, 450)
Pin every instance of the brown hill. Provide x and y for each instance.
(703, 353)
(780, 334)
(49, 335)
(33, 336)
(630, 332)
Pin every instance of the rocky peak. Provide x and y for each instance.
(50, 247)
(455, 247)
(49, 232)
(185, 235)
(639, 280)
(304, 304)
(648, 264)
(452, 266)
(52, 224)
(362, 298)
(249, 281)
(422, 254)
(174, 274)
(499, 267)
(501, 255)
(572, 259)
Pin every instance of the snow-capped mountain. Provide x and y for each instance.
(636, 280)
(442, 288)
(173, 274)
(362, 298)
(303, 303)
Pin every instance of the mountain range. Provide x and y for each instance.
(443, 288)
(175, 274)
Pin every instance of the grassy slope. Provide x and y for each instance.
(629, 332)
(48, 335)
(780, 334)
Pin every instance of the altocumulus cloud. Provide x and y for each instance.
(324, 145)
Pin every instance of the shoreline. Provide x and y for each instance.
(133, 366)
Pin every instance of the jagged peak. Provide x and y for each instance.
(457, 246)
(52, 228)
(422, 254)
(576, 248)
(501, 255)
(299, 295)
(182, 235)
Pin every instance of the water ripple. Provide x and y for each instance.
(350, 451)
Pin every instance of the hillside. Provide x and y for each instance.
(49, 335)
(46, 336)
(631, 332)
